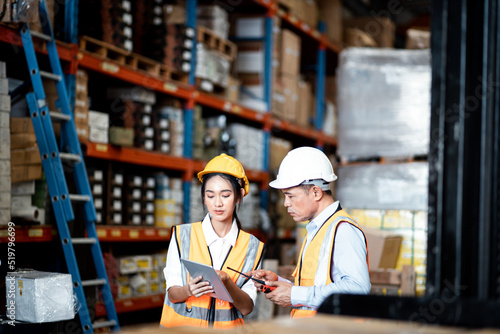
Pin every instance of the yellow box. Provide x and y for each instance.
(398, 219)
(369, 218)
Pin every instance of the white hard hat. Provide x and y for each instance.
(304, 165)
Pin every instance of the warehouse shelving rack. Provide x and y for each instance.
(76, 58)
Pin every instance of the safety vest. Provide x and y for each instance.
(318, 258)
(206, 311)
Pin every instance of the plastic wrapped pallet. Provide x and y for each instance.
(383, 102)
(397, 186)
(249, 145)
(36, 296)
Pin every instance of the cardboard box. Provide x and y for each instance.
(98, 135)
(22, 140)
(357, 38)
(4, 143)
(383, 248)
(331, 13)
(250, 27)
(21, 125)
(25, 156)
(233, 89)
(98, 119)
(40, 296)
(250, 57)
(290, 53)
(381, 29)
(4, 86)
(26, 173)
(278, 106)
(304, 109)
(418, 38)
(290, 89)
(121, 136)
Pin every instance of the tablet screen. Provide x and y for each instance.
(208, 273)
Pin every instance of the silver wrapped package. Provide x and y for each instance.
(36, 296)
(383, 103)
(393, 186)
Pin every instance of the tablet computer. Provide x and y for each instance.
(208, 273)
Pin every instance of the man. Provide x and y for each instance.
(334, 255)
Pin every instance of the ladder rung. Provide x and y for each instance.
(102, 324)
(41, 36)
(70, 157)
(59, 116)
(82, 241)
(51, 76)
(92, 282)
(80, 198)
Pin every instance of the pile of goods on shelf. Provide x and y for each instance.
(123, 197)
(137, 275)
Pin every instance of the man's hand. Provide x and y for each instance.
(281, 295)
(262, 274)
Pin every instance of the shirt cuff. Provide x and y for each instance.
(299, 295)
(281, 279)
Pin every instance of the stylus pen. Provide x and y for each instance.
(265, 288)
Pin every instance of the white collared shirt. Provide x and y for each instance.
(349, 268)
(219, 248)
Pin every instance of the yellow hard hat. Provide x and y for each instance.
(227, 165)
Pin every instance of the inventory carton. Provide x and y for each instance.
(383, 247)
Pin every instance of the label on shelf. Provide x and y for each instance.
(102, 233)
(227, 106)
(168, 86)
(305, 27)
(292, 19)
(35, 232)
(150, 233)
(101, 147)
(236, 109)
(116, 233)
(163, 233)
(133, 234)
(316, 34)
(110, 67)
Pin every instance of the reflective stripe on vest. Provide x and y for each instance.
(244, 256)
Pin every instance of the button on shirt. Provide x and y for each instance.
(219, 248)
(349, 268)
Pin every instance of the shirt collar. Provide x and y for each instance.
(320, 219)
(211, 236)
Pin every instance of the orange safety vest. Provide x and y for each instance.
(206, 311)
(318, 258)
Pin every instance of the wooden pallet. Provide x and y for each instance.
(129, 59)
(214, 42)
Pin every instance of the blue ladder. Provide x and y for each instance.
(52, 158)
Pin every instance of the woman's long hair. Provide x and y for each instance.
(235, 184)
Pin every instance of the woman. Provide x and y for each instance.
(217, 241)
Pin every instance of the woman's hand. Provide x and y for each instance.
(197, 287)
(224, 277)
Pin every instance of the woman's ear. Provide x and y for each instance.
(242, 195)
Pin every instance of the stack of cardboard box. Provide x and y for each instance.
(304, 10)
(98, 188)
(25, 158)
(292, 96)
(5, 180)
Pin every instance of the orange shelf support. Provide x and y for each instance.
(135, 156)
(110, 233)
(10, 35)
(132, 304)
(36, 233)
(229, 107)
